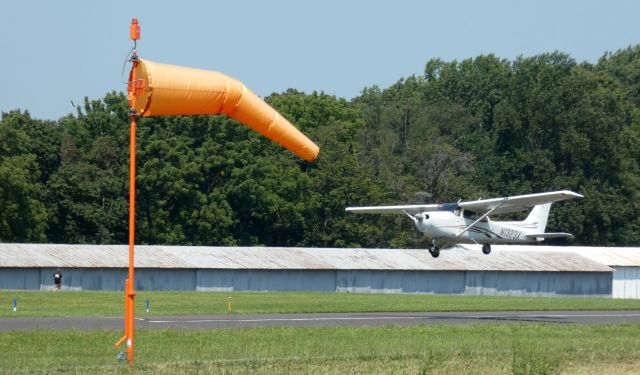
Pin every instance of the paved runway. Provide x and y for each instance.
(203, 322)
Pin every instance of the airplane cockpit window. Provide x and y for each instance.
(469, 214)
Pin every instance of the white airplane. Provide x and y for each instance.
(468, 222)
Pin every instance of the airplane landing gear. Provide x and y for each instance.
(486, 249)
(433, 249)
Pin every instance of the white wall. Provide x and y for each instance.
(626, 282)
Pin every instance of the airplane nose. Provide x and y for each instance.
(422, 222)
(421, 217)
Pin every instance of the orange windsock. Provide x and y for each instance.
(176, 90)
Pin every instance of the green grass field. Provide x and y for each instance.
(473, 349)
(88, 303)
(438, 349)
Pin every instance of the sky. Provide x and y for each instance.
(57, 52)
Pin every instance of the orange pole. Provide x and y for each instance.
(129, 320)
(134, 87)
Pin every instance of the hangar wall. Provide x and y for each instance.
(626, 282)
(459, 270)
(625, 262)
(354, 281)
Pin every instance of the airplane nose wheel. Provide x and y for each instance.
(433, 249)
(486, 249)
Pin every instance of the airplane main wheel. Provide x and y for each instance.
(435, 252)
(486, 249)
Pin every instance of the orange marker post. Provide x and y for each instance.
(134, 88)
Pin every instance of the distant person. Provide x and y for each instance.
(57, 280)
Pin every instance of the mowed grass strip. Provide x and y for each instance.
(477, 349)
(93, 303)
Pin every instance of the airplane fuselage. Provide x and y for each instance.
(451, 226)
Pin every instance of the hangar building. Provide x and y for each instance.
(625, 262)
(457, 270)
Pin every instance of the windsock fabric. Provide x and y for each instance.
(176, 90)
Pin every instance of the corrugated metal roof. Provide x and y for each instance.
(459, 258)
(610, 256)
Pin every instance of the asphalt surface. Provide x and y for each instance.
(204, 322)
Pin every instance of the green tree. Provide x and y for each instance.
(23, 216)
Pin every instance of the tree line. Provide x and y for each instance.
(478, 128)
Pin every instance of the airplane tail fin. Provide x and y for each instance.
(538, 217)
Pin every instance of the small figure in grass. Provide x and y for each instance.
(57, 280)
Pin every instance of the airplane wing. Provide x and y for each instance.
(498, 205)
(518, 202)
(410, 209)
